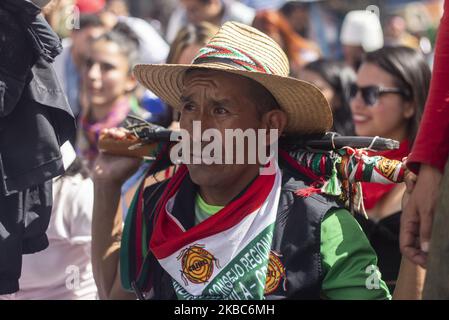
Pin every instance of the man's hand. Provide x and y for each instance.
(110, 172)
(417, 215)
(115, 169)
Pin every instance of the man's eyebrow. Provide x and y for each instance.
(183, 98)
(223, 101)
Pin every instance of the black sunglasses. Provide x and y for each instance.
(371, 94)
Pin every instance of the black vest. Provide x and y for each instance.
(296, 239)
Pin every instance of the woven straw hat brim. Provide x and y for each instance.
(306, 107)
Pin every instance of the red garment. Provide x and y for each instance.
(432, 143)
(373, 192)
(92, 129)
(90, 6)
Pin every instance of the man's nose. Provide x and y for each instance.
(206, 119)
(197, 123)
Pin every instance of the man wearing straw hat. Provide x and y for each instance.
(227, 231)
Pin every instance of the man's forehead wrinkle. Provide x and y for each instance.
(204, 86)
(207, 81)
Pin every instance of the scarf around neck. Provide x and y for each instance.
(206, 261)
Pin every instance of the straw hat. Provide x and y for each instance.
(245, 51)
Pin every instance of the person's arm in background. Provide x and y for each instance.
(410, 282)
(109, 174)
(429, 155)
(411, 276)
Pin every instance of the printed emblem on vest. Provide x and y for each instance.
(197, 264)
(275, 273)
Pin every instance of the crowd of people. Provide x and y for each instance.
(123, 228)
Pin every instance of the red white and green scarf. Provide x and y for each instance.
(224, 257)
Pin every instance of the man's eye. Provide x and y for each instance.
(188, 107)
(220, 111)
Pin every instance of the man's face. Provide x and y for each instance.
(221, 101)
(198, 11)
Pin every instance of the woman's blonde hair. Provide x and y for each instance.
(198, 34)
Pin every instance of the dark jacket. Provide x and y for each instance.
(35, 120)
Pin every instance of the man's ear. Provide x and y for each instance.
(275, 119)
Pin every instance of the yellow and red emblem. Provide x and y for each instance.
(387, 167)
(275, 273)
(197, 264)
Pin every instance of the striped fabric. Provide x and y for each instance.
(230, 55)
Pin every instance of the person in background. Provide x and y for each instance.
(109, 86)
(213, 11)
(90, 6)
(361, 32)
(334, 79)
(118, 7)
(69, 63)
(297, 14)
(318, 21)
(263, 4)
(189, 41)
(299, 50)
(396, 33)
(388, 99)
(428, 204)
(153, 48)
(56, 14)
(35, 120)
(63, 271)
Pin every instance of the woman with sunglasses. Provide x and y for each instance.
(387, 100)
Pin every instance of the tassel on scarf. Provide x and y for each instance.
(333, 185)
(314, 188)
(307, 192)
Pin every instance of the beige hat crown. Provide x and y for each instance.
(243, 47)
